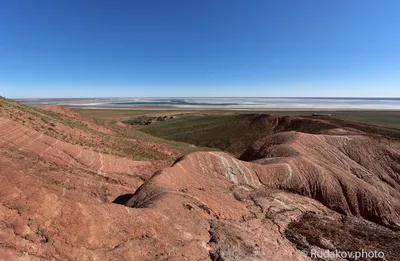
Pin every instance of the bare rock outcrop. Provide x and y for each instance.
(352, 174)
(289, 193)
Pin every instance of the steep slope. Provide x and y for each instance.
(352, 174)
(16, 138)
(76, 117)
(207, 206)
(234, 132)
(182, 213)
(48, 175)
(66, 125)
(337, 189)
(249, 219)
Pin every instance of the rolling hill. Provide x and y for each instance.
(74, 189)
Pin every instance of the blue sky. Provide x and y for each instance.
(199, 48)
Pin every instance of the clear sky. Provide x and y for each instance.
(199, 48)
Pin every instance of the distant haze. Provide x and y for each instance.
(224, 103)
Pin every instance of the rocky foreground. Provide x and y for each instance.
(289, 194)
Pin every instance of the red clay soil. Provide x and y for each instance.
(68, 126)
(64, 111)
(18, 138)
(160, 148)
(121, 124)
(56, 199)
(268, 124)
(351, 174)
(73, 115)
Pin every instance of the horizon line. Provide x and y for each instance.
(214, 97)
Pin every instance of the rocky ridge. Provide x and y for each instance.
(288, 194)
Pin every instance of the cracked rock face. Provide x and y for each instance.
(290, 192)
(352, 174)
(242, 204)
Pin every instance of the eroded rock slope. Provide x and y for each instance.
(289, 193)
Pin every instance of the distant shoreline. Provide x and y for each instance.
(222, 103)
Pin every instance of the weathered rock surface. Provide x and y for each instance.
(290, 192)
(351, 174)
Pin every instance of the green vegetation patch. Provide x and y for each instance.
(146, 120)
(225, 132)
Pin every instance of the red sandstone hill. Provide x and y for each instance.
(289, 192)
